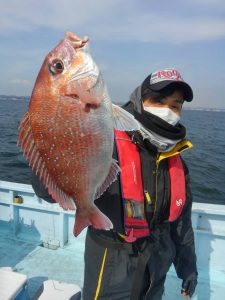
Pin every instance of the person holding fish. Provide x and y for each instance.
(119, 168)
(150, 203)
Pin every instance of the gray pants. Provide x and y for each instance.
(110, 272)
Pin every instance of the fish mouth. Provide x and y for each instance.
(75, 40)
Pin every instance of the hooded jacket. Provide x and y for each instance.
(155, 176)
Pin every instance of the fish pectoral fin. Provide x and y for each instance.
(95, 218)
(123, 120)
(111, 177)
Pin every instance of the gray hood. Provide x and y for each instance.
(135, 99)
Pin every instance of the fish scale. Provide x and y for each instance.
(67, 135)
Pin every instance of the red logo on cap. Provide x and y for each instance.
(169, 74)
(166, 74)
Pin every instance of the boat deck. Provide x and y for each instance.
(25, 227)
(40, 263)
(66, 265)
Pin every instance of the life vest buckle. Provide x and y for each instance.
(130, 238)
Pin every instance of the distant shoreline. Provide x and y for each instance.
(13, 97)
(205, 109)
(27, 98)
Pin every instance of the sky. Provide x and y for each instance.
(129, 39)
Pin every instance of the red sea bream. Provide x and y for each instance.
(67, 135)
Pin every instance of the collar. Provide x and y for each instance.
(180, 147)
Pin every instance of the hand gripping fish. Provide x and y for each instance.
(67, 135)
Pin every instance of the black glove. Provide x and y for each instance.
(188, 287)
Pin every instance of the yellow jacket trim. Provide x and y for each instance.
(121, 235)
(180, 147)
(100, 275)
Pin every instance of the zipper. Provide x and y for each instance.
(156, 198)
(156, 181)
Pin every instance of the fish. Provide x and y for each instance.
(67, 134)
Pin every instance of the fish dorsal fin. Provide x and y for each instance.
(113, 172)
(123, 120)
(30, 150)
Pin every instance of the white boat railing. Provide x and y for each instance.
(40, 221)
(34, 218)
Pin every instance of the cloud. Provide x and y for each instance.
(115, 19)
(31, 14)
(20, 82)
(206, 4)
(177, 30)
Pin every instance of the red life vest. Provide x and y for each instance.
(135, 221)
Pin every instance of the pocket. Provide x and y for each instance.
(161, 259)
(121, 269)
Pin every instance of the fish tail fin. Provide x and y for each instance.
(96, 218)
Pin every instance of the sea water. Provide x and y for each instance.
(206, 160)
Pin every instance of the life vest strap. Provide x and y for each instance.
(177, 187)
(136, 202)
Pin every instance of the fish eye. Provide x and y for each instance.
(56, 66)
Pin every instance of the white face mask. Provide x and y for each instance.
(164, 113)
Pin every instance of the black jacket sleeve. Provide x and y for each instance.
(40, 190)
(183, 237)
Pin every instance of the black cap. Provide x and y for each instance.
(158, 80)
